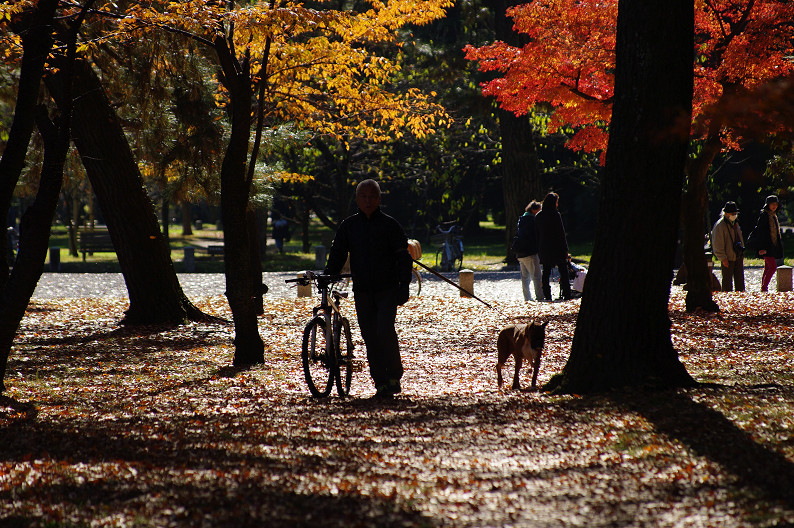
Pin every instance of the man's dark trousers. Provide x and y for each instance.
(376, 312)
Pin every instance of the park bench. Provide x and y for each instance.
(95, 240)
(215, 250)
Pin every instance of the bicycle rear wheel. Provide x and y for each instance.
(317, 360)
(343, 365)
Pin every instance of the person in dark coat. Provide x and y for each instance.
(552, 246)
(526, 249)
(381, 268)
(767, 239)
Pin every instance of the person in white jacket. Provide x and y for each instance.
(727, 244)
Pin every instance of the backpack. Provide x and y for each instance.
(519, 245)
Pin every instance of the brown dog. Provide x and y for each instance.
(523, 341)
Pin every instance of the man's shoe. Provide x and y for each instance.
(394, 386)
(383, 392)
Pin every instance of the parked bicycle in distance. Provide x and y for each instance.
(450, 247)
(327, 346)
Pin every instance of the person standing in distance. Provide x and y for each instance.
(381, 269)
(727, 244)
(552, 246)
(767, 239)
(526, 248)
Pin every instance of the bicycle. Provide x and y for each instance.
(450, 251)
(327, 346)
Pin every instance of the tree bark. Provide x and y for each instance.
(235, 191)
(145, 259)
(34, 235)
(187, 218)
(693, 214)
(622, 335)
(35, 29)
(521, 177)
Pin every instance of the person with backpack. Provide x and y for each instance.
(525, 246)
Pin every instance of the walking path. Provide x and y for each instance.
(488, 285)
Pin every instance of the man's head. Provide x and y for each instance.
(368, 196)
(533, 207)
(730, 211)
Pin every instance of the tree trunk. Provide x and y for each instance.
(255, 261)
(249, 348)
(187, 218)
(165, 219)
(35, 28)
(693, 214)
(622, 335)
(521, 177)
(34, 235)
(145, 260)
(304, 213)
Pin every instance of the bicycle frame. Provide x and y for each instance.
(329, 363)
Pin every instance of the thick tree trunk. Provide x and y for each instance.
(622, 335)
(249, 348)
(144, 257)
(35, 28)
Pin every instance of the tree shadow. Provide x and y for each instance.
(193, 482)
(708, 433)
(20, 411)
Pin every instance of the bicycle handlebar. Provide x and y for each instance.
(320, 278)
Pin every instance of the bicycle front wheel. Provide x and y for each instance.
(344, 357)
(317, 358)
(416, 283)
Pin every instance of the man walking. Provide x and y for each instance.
(381, 269)
(728, 246)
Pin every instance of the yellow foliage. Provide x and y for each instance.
(293, 177)
(320, 71)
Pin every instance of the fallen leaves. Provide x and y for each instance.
(114, 426)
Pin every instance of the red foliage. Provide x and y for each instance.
(569, 62)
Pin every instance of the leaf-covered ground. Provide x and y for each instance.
(104, 425)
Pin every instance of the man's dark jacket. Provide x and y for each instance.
(378, 247)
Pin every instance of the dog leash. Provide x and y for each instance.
(464, 290)
(467, 292)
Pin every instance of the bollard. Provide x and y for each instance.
(190, 259)
(304, 291)
(319, 257)
(466, 279)
(784, 278)
(55, 259)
